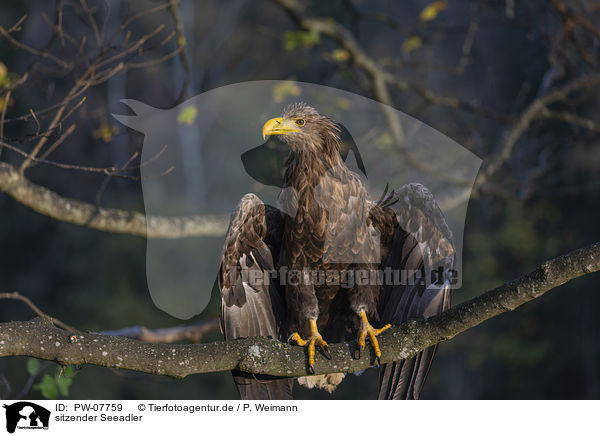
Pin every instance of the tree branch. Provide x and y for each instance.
(41, 339)
(49, 203)
(194, 332)
(537, 109)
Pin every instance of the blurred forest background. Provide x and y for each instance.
(472, 69)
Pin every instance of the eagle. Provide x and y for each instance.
(329, 265)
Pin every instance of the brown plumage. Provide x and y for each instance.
(326, 224)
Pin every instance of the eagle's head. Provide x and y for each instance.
(304, 129)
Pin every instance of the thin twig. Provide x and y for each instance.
(56, 143)
(81, 85)
(32, 50)
(108, 178)
(131, 49)
(37, 122)
(20, 297)
(73, 109)
(151, 63)
(29, 383)
(111, 171)
(3, 117)
(92, 21)
(17, 26)
(8, 389)
(572, 118)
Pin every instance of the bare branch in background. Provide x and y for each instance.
(49, 203)
(535, 110)
(32, 50)
(193, 332)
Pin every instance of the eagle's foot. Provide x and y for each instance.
(313, 340)
(367, 330)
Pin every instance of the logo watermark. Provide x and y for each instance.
(201, 157)
(25, 415)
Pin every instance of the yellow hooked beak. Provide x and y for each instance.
(279, 126)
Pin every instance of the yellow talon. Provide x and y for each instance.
(314, 339)
(367, 330)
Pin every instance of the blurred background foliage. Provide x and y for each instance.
(495, 54)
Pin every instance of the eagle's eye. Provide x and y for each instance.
(300, 122)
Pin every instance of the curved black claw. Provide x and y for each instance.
(326, 352)
(311, 369)
(378, 361)
(359, 351)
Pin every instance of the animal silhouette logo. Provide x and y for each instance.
(26, 415)
(201, 157)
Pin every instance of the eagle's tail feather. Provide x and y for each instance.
(404, 380)
(254, 387)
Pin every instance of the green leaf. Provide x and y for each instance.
(385, 141)
(187, 115)
(340, 55)
(284, 90)
(431, 11)
(105, 132)
(294, 38)
(63, 383)
(48, 387)
(4, 80)
(343, 103)
(33, 365)
(68, 371)
(412, 43)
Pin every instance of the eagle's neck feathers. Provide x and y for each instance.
(306, 165)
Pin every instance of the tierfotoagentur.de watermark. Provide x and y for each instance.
(348, 278)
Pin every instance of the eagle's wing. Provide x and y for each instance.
(416, 238)
(251, 305)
